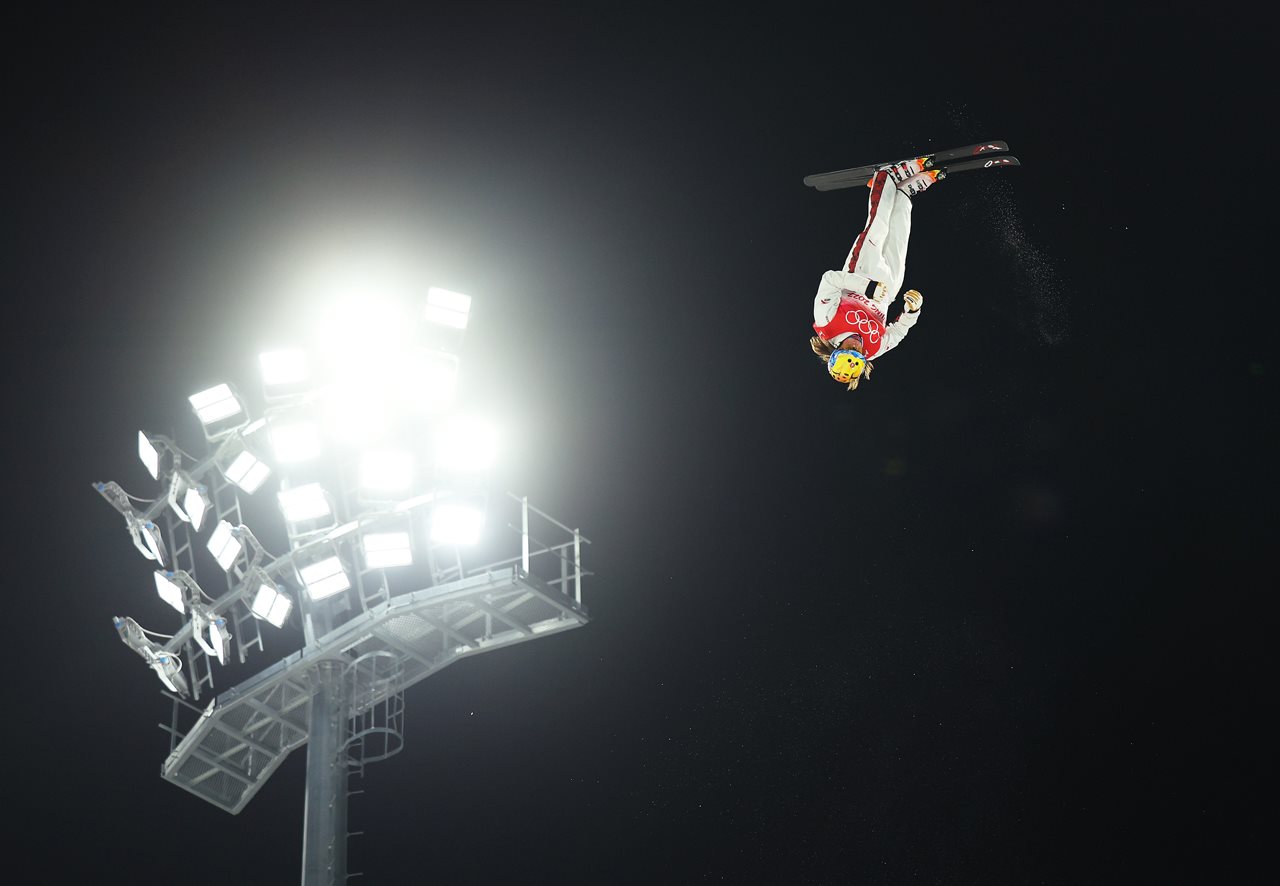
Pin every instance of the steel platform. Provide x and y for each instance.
(248, 731)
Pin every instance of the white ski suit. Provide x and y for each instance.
(856, 299)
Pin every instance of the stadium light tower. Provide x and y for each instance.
(400, 562)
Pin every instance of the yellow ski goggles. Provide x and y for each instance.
(845, 365)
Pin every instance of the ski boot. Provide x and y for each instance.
(921, 181)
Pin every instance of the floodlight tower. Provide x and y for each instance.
(379, 587)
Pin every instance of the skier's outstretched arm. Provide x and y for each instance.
(896, 331)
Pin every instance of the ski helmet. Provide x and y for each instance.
(845, 365)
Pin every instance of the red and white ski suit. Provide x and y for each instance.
(856, 299)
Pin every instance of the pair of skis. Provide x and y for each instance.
(987, 155)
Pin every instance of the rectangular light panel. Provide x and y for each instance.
(224, 546)
(149, 454)
(169, 590)
(271, 605)
(215, 404)
(383, 550)
(302, 503)
(248, 471)
(325, 578)
(195, 503)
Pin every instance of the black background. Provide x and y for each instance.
(1000, 616)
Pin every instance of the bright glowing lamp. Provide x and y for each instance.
(386, 471)
(270, 604)
(324, 578)
(454, 523)
(196, 503)
(215, 404)
(447, 308)
(466, 445)
(295, 441)
(283, 368)
(247, 471)
(169, 589)
(224, 545)
(383, 550)
(149, 455)
(241, 466)
(302, 503)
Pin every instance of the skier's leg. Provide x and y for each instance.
(866, 257)
(894, 252)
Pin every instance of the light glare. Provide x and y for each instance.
(456, 524)
(285, 367)
(467, 445)
(386, 471)
(295, 442)
(447, 308)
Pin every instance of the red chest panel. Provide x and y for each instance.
(856, 314)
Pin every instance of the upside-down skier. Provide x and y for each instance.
(850, 309)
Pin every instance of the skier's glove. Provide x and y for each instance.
(913, 300)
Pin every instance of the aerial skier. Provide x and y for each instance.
(850, 309)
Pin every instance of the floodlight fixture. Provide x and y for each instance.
(149, 454)
(131, 634)
(324, 578)
(383, 550)
(225, 545)
(466, 445)
(303, 503)
(283, 368)
(295, 441)
(168, 667)
(170, 589)
(447, 308)
(210, 631)
(247, 471)
(269, 602)
(188, 499)
(148, 541)
(215, 404)
(456, 523)
(195, 504)
(386, 471)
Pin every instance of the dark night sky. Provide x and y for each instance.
(999, 617)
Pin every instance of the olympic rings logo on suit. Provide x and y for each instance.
(857, 317)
